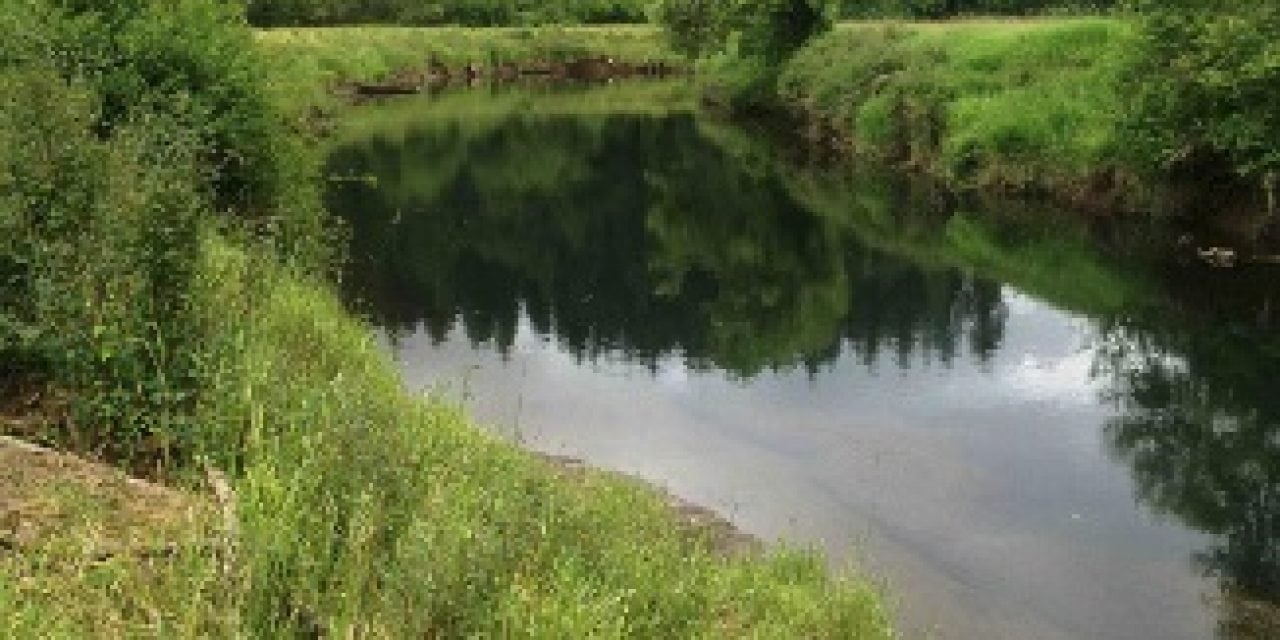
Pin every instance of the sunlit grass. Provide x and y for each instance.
(1017, 102)
(364, 511)
(311, 58)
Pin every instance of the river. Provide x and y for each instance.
(1024, 424)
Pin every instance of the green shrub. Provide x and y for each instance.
(128, 127)
(195, 62)
(1207, 79)
(99, 237)
(769, 30)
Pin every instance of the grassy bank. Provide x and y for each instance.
(365, 511)
(1015, 104)
(310, 59)
(163, 272)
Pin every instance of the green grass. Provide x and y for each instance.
(365, 511)
(1008, 103)
(312, 58)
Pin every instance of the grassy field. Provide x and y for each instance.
(1022, 104)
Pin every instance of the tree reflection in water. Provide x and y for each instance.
(1199, 425)
(634, 236)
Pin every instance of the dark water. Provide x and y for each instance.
(1026, 427)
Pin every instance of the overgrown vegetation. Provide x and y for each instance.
(1100, 111)
(127, 130)
(1206, 86)
(163, 260)
(935, 9)
(477, 13)
(744, 41)
(309, 61)
(992, 104)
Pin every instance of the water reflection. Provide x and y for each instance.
(719, 266)
(624, 232)
(1197, 424)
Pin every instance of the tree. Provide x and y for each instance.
(696, 28)
(1207, 77)
(770, 30)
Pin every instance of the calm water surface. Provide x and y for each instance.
(1026, 431)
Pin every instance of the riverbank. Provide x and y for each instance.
(315, 63)
(1026, 107)
(174, 294)
(1016, 106)
(363, 508)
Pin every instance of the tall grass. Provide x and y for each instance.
(363, 511)
(1020, 103)
(370, 512)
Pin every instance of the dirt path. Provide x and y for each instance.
(45, 495)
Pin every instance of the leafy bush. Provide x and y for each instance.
(696, 28)
(485, 13)
(126, 127)
(99, 236)
(767, 29)
(745, 41)
(193, 61)
(1207, 80)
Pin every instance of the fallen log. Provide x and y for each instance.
(387, 89)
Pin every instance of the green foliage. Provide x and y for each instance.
(774, 29)
(1206, 83)
(696, 28)
(122, 142)
(935, 9)
(99, 236)
(769, 30)
(743, 42)
(1020, 104)
(477, 13)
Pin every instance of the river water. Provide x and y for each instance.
(1025, 425)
